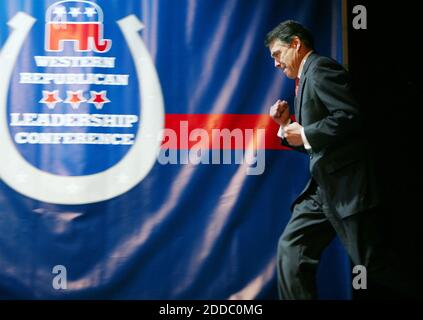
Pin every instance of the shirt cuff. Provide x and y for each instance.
(307, 145)
(281, 132)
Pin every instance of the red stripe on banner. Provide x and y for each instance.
(221, 131)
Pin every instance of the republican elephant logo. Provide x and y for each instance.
(80, 22)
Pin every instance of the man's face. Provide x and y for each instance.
(286, 57)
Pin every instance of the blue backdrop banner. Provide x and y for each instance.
(137, 157)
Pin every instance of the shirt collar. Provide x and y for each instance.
(300, 70)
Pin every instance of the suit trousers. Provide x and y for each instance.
(365, 235)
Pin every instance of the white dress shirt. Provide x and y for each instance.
(303, 136)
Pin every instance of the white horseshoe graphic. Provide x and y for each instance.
(128, 172)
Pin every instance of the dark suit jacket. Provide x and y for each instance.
(339, 159)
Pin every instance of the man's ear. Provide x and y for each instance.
(297, 43)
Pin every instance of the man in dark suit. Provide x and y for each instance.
(342, 194)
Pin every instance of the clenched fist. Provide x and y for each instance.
(292, 133)
(280, 112)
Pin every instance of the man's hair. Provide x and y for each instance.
(286, 30)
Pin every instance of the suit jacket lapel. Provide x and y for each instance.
(303, 79)
(299, 98)
(296, 107)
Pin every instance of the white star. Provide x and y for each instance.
(75, 12)
(75, 98)
(59, 11)
(50, 98)
(98, 99)
(90, 11)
